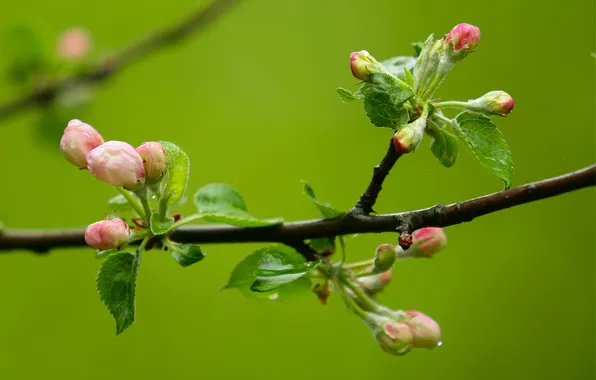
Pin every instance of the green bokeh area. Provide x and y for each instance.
(252, 100)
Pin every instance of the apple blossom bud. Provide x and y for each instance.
(363, 64)
(493, 103)
(107, 234)
(426, 333)
(427, 241)
(394, 337)
(154, 160)
(118, 164)
(375, 283)
(461, 40)
(408, 138)
(384, 258)
(73, 43)
(78, 140)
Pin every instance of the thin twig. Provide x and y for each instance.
(381, 171)
(291, 232)
(105, 68)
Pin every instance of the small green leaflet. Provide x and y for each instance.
(243, 277)
(178, 169)
(444, 145)
(326, 211)
(186, 254)
(383, 100)
(487, 143)
(345, 95)
(396, 65)
(116, 282)
(159, 226)
(119, 203)
(220, 203)
(278, 266)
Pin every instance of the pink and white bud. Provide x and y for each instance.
(78, 140)
(463, 37)
(394, 337)
(107, 234)
(73, 43)
(384, 258)
(408, 138)
(363, 64)
(493, 103)
(118, 164)
(426, 333)
(154, 160)
(375, 283)
(427, 241)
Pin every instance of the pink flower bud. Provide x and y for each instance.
(463, 37)
(408, 138)
(78, 140)
(73, 43)
(384, 258)
(154, 160)
(107, 234)
(118, 164)
(495, 103)
(428, 241)
(426, 333)
(363, 64)
(394, 337)
(375, 283)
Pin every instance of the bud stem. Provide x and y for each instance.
(365, 300)
(350, 303)
(132, 201)
(442, 118)
(188, 219)
(144, 197)
(452, 104)
(359, 264)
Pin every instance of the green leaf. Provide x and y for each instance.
(243, 277)
(345, 95)
(106, 253)
(280, 265)
(186, 254)
(178, 171)
(487, 143)
(396, 65)
(417, 47)
(326, 211)
(220, 203)
(408, 77)
(383, 99)
(444, 145)
(119, 203)
(323, 245)
(159, 226)
(116, 282)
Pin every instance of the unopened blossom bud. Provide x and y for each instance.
(427, 241)
(462, 40)
(426, 333)
(363, 64)
(78, 140)
(493, 103)
(384, 258)
(375, 283)
(154, 160)
(107, 234)
(408, 138)
(394, 337)
(118, 164)
(73, 43)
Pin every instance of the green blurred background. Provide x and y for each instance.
(252, 100)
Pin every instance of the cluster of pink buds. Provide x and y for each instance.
(412, 329)
(116, 163)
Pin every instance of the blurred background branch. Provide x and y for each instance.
(104, 68)
(41, 241)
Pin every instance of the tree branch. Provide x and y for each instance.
(104, 69)
(380, 172)
(292, 232)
